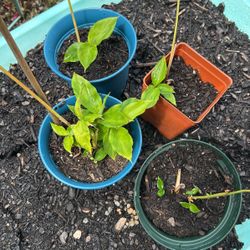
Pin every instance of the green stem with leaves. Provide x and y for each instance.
(223, 194)
(174, 38)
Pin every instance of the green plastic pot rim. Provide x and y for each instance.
(200, 242)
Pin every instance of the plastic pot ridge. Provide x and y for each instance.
(114, 83)
(54, 170)
(167, 118)
(214, 236)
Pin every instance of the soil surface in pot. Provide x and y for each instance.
(82, 168)
(112, 55)
(199, 167)
(193, 96)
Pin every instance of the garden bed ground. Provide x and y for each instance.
(37, 212)
(29, 8)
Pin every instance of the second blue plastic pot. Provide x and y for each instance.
(47, 159)
(114, 83)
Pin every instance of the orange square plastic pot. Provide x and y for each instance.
(167, 118)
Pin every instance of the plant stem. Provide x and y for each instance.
(74, 21)
(171, 57)
(210, 196)
(177, 182)
(41, 101)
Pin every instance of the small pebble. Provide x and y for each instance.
(85, 220)
(117, 203)
(120, 224)
(77, 234)
(25, 103)
(88, 239)
(171, 221)
(85, 210)
(71, 193)
(63, 237)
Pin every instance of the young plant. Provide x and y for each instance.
(159, 76)
(98, 131)
(160, 186)
(192, 196)
(86, 52)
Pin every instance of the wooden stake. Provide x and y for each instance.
(174, 38)
(74, 22)
(41, 101)
(178, 182)
(23, 64)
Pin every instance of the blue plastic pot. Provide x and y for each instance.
(47, 159)
(114, 83)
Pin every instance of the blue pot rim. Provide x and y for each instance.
(100, 80)
(47, 160)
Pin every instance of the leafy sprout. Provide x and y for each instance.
(86, 52)
(160, 186)
(190, 206)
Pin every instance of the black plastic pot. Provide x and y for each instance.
(226, 224)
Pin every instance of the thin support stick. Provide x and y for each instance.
(178, 182)
(74, 21)
(41, 101)
(174, 38)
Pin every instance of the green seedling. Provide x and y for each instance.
(193, 191)
(190, 206)
(99, 131)
(160, 186)
(192, 197)
(86, 52)
(159, 76)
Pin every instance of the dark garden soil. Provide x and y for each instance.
(30, 9)
(82, 168)
(38, 212)
(192, 95)
(112, 55)
(199, 168)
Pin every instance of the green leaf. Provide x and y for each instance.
(72, 109)
(193, 208)
(160, 183)
(102, 130)
(87, 54)
(100, 154)
(114, 118)
(160, 193)
(194, 191)
(159, 72)
(133, 107)
(152, 95)
(101, 30)
(87, 93)
(71, 54)
(170, 97)
(59, 130)
(68, 142)
(121, 142)
(165, 88)
(160, 186)
(107, 146)
(78, 110)
(82, 135)
(185, 204)
(104, 102)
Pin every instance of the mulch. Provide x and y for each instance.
(38, 211)
(30, 9)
